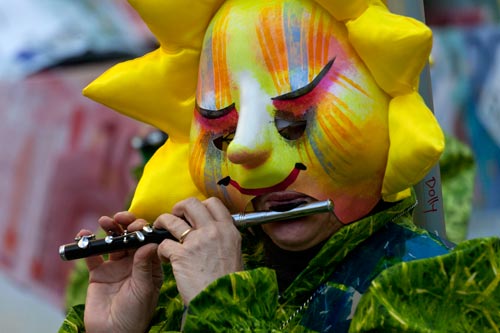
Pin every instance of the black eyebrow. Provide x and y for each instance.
(214, 114)
(307, 88)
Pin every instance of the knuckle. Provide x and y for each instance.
(212, 234)
(219, 233)
(163, 219)
(163, 250)
(182, 206)
(189, 201)
(211, 200)
(163, 216)
(124, 214)
(142, 222)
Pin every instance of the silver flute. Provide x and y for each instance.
(87, 246)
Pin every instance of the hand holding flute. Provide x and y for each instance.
(207, 246)
(123, 290)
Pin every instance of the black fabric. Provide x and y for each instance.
(287, 264)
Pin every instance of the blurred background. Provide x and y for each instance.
(66, 160)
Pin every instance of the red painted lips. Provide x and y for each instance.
(260, 191)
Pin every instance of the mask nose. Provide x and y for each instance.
(251, 145)
(247, 155)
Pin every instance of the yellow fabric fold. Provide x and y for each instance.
(395, 48)
(343, 10)
(158, 89)
(166, 180)
(177, 24)
(398, 196)
(413, 132)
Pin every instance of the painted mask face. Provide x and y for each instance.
(285, 104)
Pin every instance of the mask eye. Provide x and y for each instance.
(222, 142)
(290, 130)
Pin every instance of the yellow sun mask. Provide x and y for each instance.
(258, 96)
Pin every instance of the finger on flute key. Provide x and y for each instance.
(109, 225)
(137, 225)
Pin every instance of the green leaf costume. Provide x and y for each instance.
(381, 274)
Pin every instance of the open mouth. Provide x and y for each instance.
(259, 191)
(284, 207)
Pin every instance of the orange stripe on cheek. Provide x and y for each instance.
(332, 151)
(196, 163)
(328, 129)
(336, 125)
(345, 129)
(340, 105)
(352, 84)
(349, 131)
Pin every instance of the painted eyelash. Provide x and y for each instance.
(215, 114)
(309, 87)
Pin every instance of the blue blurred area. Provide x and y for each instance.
(465, 72)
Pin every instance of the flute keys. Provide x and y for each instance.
(83, 242)
(125, 236)
(140, 236)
